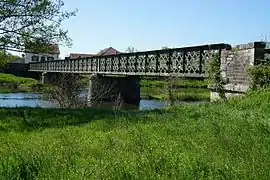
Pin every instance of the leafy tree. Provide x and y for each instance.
(32, 24)
(164, 47)
(131, 49)
(6, 57)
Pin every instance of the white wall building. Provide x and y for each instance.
(32, 57)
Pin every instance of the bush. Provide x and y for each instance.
(259, 76)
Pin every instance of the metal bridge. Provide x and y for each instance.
(180, 62)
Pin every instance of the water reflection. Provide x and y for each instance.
(34, 100)
(24, 100)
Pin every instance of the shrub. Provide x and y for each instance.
(259, 76)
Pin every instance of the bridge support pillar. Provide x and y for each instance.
(47, 78)
(113, 89)
(234, 64)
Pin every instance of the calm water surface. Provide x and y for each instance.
(34, 100)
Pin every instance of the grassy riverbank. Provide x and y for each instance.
(10, 83)
(180, 83)
(178, 94)
(182, 90)
(207, 141)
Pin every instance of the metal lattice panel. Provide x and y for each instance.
(132, 64)
(102, 64)
(163, 62)
(108, 64)
(115, 62)
(141, 63)
(152, 63)
(207, 55)
(123, 60)
(192, 62)
(177, 62)
(94, 64)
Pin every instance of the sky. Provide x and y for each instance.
(151, 24)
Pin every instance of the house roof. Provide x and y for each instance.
(104, 52)
(108, 51)
(77, 55)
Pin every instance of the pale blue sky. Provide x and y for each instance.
(151, 24)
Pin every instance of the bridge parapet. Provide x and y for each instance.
(181, 62)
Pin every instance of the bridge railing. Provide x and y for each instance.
(187, 62)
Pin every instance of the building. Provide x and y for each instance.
(104, 52)
(42, 57)
(77, 55)
(108, 51)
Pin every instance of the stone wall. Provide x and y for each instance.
(234, 64)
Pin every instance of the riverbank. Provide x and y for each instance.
(211, 141)
(181, 90)
(177, 83)
(11, 84)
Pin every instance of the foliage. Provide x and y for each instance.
(66, 90)
(32, 24)
(6, 57)
(164, 47)
(11, 82)
(131, 49)
(210, 141)
(213, 73)
(259, 76)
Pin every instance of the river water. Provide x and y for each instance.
(35, 100)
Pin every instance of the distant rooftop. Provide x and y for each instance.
(104, 52)
(78, 55)
(108, 51)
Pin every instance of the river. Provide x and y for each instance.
(35, 100)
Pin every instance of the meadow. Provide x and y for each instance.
(228, 140)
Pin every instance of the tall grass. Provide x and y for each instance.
(208, 141)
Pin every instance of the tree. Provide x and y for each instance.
(131, 49)
(32, 25)
(66, 91)
(164, 47)
(6, 57)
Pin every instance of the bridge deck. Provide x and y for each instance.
(181, 62)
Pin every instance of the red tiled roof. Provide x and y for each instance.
(104, 52)
(108, 51)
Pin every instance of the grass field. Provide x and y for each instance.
(208, 141)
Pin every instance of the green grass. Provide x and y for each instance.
(181, 83)
(207, 141)
(11, 83)
(178, 94)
